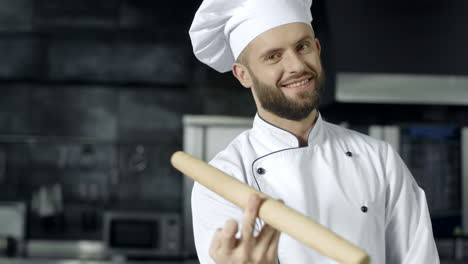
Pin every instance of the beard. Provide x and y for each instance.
(273, 100)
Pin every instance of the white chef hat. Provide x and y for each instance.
(222, 29)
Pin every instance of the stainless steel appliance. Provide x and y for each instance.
(140, 235)
(204, 137)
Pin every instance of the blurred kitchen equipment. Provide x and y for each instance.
(204, 137)
(437, 156)
(142, 235)
(138, 161)
(453, 248)
(12, 228)
(65, 249)
(8, 246)
(48, 200)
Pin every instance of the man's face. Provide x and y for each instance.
(285, 70)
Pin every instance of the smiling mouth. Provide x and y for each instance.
(297, 84)
(300, 84)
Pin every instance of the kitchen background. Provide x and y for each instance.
(93, 94)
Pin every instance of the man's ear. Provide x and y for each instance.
(318, 46)
(242, 74)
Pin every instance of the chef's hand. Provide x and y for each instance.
(263, 249)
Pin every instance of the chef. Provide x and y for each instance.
(354, 185)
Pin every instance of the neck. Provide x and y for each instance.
(300, 129)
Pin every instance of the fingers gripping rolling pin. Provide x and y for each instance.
(271, 211)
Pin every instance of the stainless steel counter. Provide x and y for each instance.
(48, 261)
(75, 252)
(77, 261)
(83, 249)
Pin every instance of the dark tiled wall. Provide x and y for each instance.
(74, 111)
(92, 95)
(110, 60)
(53, 125)
(16, 15)
(14, 109)
(93, 13)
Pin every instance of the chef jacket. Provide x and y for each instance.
(353, 184)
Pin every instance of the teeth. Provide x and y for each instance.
(298, 83)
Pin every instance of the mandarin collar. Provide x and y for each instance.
(279, 138)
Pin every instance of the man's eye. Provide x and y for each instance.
(303, 46)
(272, 57)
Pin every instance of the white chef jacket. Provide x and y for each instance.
(353, 184)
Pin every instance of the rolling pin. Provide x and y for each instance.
(271, 211)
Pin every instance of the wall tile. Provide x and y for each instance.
(14, 109)
(418, 37)
(21, 58)
(75, 111)
(83, 13)
(154, 114)
(118, 61)
(16, 15)
(141, 14)
(14, 170)
(234, 103)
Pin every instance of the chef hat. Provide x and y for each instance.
(222, 29)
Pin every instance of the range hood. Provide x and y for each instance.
(398, 51)
(401, 88)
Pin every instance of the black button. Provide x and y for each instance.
(261, 171)
(349, 154)
(364, 209)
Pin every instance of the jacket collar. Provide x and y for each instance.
(278, 138)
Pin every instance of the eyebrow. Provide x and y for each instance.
(263, 54)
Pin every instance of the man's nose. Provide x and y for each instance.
(294, 63)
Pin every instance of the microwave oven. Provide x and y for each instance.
(142, 235)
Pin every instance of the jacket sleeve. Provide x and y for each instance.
(210, 211)
(408, 229)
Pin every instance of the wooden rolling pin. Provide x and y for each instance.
(271, 211)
